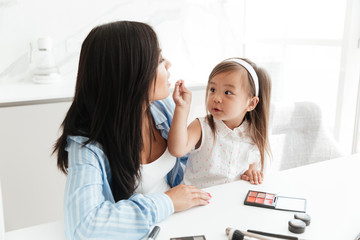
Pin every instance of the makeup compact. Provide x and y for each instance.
(303, 217)
(273, 201)
(297, 226)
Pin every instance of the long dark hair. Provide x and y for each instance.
(258, 118)
(117, 67)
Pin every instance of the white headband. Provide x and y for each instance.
(250, 69)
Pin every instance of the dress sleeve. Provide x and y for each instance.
(89, 208)
(254, 155)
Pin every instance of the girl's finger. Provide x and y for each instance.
(183, 86)
(176, 89)
(261, 176)
(245, 177)
(255, 178)
(251, 177)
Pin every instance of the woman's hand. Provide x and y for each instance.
(253, 175)
(181, 95)
(187, 196)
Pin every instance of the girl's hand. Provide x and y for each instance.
(253, 175)
(187, 196)
(181, 95)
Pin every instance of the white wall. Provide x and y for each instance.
(183, 27)
(198, 104)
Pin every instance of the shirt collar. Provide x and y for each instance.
(158, 115)
(161, 115)
(222, 130)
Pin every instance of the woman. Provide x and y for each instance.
(113, 147)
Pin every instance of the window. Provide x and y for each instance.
(303, 44)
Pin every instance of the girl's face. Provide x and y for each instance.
(161, 89)
(228, 97)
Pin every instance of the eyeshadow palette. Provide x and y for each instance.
(273, 201)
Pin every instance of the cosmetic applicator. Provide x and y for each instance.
(235, 234)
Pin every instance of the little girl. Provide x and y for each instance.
(230, 142)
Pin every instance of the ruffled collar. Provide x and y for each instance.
(222, 130)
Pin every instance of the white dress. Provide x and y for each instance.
(221, 161)
(153, 174)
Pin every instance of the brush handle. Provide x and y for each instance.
(273, 235)
(239, 234)
(257, 236)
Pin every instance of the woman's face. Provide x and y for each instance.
(162, 84)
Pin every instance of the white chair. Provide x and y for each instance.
(298, 137)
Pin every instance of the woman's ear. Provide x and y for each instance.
(252, 104)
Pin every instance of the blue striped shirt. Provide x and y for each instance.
(89, 207)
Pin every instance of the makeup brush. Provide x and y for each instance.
(235, 234)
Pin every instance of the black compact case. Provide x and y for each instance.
(273, 201)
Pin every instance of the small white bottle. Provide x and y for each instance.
(46, 70)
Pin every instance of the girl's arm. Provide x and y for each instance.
(254, 174)
(181, 138)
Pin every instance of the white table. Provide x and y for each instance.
(331, 189)
(333, 202)
(47, 231)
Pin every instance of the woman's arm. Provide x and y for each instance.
(181, 138)
(90, 210)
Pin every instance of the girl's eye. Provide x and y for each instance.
(162, 60)
(212, 90)
(228, 93)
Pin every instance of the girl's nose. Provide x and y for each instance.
(217, 99)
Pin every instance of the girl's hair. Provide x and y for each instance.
(258, 118)
(117, 67)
